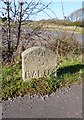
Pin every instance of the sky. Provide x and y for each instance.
(57, 9)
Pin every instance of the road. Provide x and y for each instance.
(78, 36)
(75, 35)
(66, 103)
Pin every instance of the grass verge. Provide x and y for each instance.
(67, 28)
(69, 72)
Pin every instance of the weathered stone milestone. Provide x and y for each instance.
(38, 62)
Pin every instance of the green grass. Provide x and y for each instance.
(66, 28)
(13, 85)
(59, 24)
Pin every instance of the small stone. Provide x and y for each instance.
(77, 97)
(68, 112)
(77, 113)
(43, 98)
(30, 107)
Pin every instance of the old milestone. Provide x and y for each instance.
(38, 62)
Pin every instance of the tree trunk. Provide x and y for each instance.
(8, 28)
(19, 26)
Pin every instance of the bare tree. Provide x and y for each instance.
(24, 13)
(7, 8)
(19, 22)
(77, 15)
(17, 12)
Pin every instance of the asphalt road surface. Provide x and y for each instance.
(66, 103)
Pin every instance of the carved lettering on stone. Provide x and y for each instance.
(38, 62)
